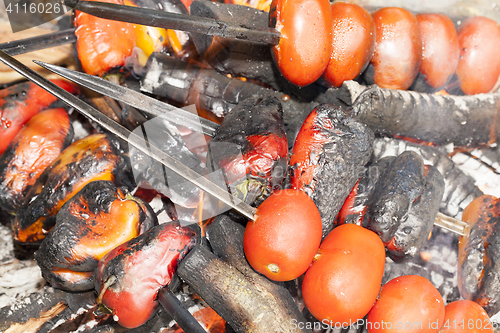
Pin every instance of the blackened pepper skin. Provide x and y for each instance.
(251, 148)
(479, 254)
(89, 225)
(328, 157)
(95, 157)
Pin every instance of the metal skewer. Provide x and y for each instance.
(181, 117)
(45, 41)
(189, 23)
(136, 99)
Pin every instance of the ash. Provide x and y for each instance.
(18, 278)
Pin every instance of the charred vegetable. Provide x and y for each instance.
(461, 120)
(34, 147)
(248, 301)
(95, 157)
(252, 149)
(404, 204)
(328, 158)
(19, 103)
(129, 277)
(93, 222)
(478, 257)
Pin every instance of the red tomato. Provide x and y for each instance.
(465, 317)
(285, 236)
(306, 38)
(344, 280)
(440, 49)
(398, 50)
(353, 33)
(407, 304)
(479, 65)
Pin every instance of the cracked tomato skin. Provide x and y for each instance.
(407, 299)
(285, 236)
(304, 48)
(465, 317)
(140, 268)
(344, 280)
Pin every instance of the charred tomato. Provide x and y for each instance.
(34, 148)
(353, 42)
(129, 277)
(479, 65)
(345, 278)
(93, 222)
(282, 240)
(304, 48)
(398, 50)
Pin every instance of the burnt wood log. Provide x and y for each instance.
(249, 302)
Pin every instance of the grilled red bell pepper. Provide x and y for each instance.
(129, 277)
(34, 147)
(22, 101)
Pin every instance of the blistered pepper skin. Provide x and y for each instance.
(93, 222)
(129, 277)
(34, 147)
(95, 157)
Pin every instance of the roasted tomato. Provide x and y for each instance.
(465, 317)
(408, 303)
(344, 280)
(398, 51)
(479, 65)
(353, 33)
(22, 101)
(251, 148)
(129, 277)
(34, 148)
(283, 239)
(306, 38)
(93, 222)
(478, 253)
(95, 157)
(440, 49)
(102, 44)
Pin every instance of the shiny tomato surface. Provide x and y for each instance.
(285, 236)
(398, 51)
(306, 38)
(479, 65)
(353, 42)
(440, 50)
(465, 317)
(407, 304)
(344, 280)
